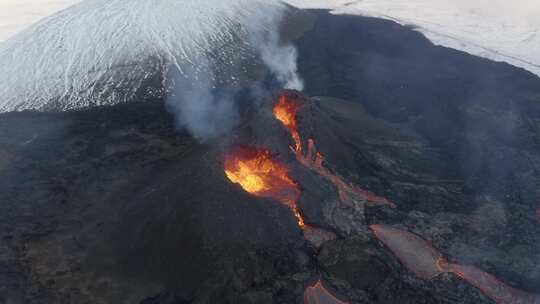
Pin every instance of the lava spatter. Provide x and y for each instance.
(285, 111)
(260, 174)
(415, 253)
(347, 192)
(491, 286)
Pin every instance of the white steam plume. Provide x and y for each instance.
(104, 52)
(195, 105)
(280, 58)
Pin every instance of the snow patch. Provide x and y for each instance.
(500, 30)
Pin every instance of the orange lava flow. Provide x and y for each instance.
(317, 294)
(426, 262)
(347, 192)
(258, 173)
(415, 253)
(285, 110)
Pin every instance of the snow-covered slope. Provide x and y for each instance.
(501, 30)
(98, 41)
(101, 51)
(497, 29)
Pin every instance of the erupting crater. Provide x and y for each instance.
(259, 173)
(426, 262)
(285, 110)
(493, 287)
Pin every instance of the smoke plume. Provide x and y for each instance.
(208, 112)
(199, 51)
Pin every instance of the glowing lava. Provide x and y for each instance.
(285, 110)
(258, 173)
(317, 294)
(415, 253)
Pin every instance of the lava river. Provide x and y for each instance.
(285, 110)
(416, 254)
(318, 294)
(260, 174)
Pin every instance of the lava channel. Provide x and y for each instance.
(415, 253)
(317, 294)
(285, 110)
(260, 174)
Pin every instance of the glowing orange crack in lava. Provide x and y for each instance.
(285, 110)
(258, 173)
(415, 253)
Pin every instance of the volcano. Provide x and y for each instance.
(403, 173)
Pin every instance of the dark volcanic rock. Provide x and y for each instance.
(451, 138)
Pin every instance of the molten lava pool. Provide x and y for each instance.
(285, 112)
(260, 174)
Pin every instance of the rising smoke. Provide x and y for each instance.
(208, 111)
(280, 58)
(104, 52)
(196, 106)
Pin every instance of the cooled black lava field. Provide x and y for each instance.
(116, 205)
